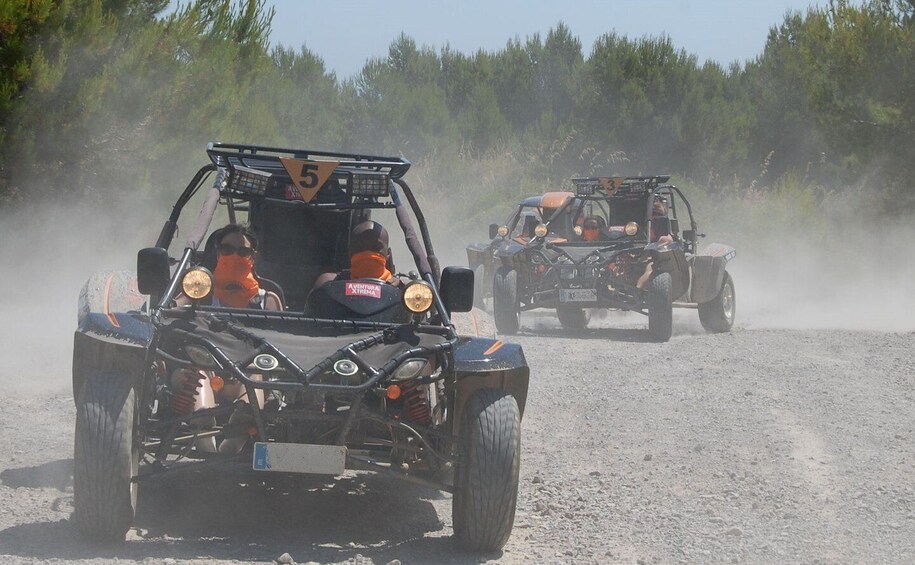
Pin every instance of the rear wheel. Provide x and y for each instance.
(573, 318)
(717, 316)
(660, 307)
(105, 459)
(505, 306)
(486, 474)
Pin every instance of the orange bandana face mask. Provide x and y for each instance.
(234, 282)
(591, 234)
(369, 265)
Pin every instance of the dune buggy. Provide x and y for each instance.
(353, 375)
(635, 257)
(509, 238)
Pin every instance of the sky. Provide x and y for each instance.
(346, 33)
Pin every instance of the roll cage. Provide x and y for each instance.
(632, 195)
(259, 179)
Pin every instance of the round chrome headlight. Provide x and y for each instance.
(578, 230)
(502, 231)
(345, 368)
(540, 230)
(409, 369)
(632, 228)
(417, 297)
(200, 356)
(197, 283)
(266, 362)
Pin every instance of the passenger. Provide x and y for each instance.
(234, 282)
(660, 235)
(234, 285)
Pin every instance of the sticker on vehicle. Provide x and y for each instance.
(308, 176)
(367, 290)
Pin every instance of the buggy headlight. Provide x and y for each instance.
(248, 180)
(632, 228)
(502, 231)
(409, 369)
(417, 297)
(366, 184)
(578, 231)
(197, 283)
(585, 189)
(200, 356)
(540, 230)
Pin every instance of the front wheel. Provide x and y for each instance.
(717, 316)
(105, 459)
(505, 305)
(486, 474)
(573, 318)
(660, 308)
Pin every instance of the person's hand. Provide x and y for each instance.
(665, 240)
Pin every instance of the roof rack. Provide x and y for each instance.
(267, 159)
(610, 185)
(315, 178)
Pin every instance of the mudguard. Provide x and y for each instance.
(508, 251)
(477, 254)
(672, 260)
(111, 334)
(489, 363)
(708, 272)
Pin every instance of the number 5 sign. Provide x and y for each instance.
(308, 176)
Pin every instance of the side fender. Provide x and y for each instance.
(109, 308)
(708, 271)
(488, 363)
(112, 333)
(477, 254)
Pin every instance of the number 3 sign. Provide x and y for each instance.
(308, 176)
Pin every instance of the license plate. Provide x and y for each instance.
(578, 295)
(299, 458)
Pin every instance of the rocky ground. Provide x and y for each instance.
(758, 446)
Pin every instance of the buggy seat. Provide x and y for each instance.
(358, 299)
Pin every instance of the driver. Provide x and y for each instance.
(594, 229)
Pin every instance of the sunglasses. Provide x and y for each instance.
(229, 249)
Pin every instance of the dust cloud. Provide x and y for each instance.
(48, 253)
(788, 273)
(828, 267)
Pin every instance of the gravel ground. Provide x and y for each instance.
(758, 446)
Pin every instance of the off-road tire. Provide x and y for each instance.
(573, 318)
(505, 306)
(660, 307)
(486, 473)
(717, 316)
(105, 458)
(478, 288)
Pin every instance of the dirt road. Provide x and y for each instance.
(759, 446)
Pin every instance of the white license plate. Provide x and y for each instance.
(299, 458)
(578, 295)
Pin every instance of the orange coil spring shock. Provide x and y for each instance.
(183, 401)
(415, 404)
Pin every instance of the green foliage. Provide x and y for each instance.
(101, 95)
